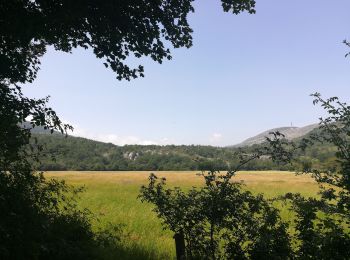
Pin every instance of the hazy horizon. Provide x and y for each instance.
(107, 139)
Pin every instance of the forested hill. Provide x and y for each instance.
(75, 153)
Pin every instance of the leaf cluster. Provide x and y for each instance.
(322, 223)
(39, 218)
(115, 31)
(220, 220)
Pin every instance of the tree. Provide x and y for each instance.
(114, 30)
(38, 220)
(219, 220)
(206, 216)
(322, 224)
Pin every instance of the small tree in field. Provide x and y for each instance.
(220, 220)
(322, 224)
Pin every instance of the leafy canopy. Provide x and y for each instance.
(115, 30)
(39, 220)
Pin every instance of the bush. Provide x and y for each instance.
(39, 218)
(220, 220)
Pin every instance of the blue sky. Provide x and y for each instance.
(244, 74)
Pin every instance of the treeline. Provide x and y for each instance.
(75, 153)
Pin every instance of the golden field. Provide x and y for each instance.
(112, 197)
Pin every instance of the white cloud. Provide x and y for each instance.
(117, 139)
(122, 140)
(215, 137)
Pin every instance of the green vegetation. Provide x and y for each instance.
(219, 220)
(75, 153)
(112, 196)
(114, 30)
(322, 223)
(41, 220)
(318, 223)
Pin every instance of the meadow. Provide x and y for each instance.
(112, 197)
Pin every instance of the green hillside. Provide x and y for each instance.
(76, 153)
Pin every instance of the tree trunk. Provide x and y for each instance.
(180, 246)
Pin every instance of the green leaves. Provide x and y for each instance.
(219, 220)
(238, 6)
(322, 224)
(114, 30)
(40, 218)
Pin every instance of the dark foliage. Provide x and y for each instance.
(207, 216)
(39, 218)
(322, 224)
(114, 30)
(220, 220)
(348, 45)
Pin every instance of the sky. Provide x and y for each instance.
(245, 74)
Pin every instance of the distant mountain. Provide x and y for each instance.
(289, 132)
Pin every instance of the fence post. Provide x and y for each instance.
(180, 246)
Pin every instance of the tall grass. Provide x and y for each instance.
(112, 196)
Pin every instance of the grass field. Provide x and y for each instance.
(112, 196)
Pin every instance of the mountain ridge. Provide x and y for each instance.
(291, 132)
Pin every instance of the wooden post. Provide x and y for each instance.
(180, 246)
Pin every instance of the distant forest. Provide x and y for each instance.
(75, 153)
